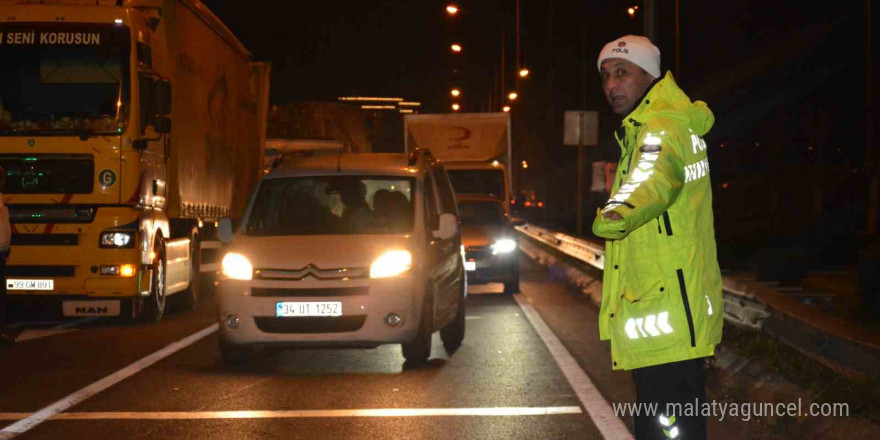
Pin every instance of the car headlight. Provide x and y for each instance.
(117, 239)
(503, 246)
(237, 267)
(391, 264)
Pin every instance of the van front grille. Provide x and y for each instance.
(311, 324)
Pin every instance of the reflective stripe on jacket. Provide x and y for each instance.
(661, 293)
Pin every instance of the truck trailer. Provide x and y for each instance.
(474, 148)
(127, 127)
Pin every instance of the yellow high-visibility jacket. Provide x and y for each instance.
(661, 293)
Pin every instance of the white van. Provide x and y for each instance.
(348, 250)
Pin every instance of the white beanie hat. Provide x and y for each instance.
(635, 49)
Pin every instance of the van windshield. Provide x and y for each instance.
(480, 213)
(332, 205)
(490, 182)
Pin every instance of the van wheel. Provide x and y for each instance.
(511, 287)
(191, 294)
(154, 306)
(233, 355)
(453, 333)
(418, 351)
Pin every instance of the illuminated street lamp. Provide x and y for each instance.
(506, 108)
(512, 96)
(455, 107)
(452, 9)
(523, 73)
(455, 92)
(455, 47)
(632, 11)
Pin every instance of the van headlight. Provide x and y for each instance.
(117, 239)
(503, 246)
(391, 263)
(237, 267)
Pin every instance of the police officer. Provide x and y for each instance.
(5, 238)
(661, 297)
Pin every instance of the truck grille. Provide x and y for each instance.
(39, 271)
(311, 324)
(45, 239)
(48, 173)
(51, 214)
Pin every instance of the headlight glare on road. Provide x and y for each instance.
(391, 263)
(237, 267)
(503, 246)
(116, 239)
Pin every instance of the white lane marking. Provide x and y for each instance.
(329, 413)
(472, 317)
(77, 397)
(597, 407)
(209, 267)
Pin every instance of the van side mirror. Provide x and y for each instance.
(162, 97)
(448, 226)
(224, 230)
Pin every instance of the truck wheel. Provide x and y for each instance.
(154, 306)
(453, 333)
(191, 294)
(418, 350)
(233, 355)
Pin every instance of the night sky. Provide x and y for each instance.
(781, 76)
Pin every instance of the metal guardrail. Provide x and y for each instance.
(831, 341)
(588, 252)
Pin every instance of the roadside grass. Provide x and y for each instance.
(823, 384)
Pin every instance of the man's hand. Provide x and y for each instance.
(613, 215)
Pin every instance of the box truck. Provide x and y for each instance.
(126, 128)
(474, 148)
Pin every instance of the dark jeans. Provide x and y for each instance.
(682, 383)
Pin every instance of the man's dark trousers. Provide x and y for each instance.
(678, 382)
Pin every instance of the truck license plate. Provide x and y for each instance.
(295, 309)
(12, 284)
(470, 265)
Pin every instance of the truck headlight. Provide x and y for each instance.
(390, 264)
(237, 267)
(117, 239)
(503, 246)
